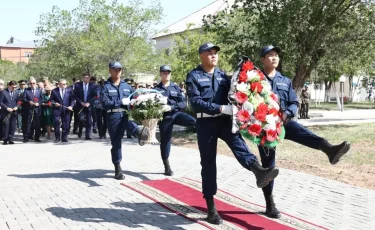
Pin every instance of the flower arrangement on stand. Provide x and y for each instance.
(256, 110)
(147, 107)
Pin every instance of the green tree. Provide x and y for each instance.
(96, 32)
(183, 55)
(306, 30)
(13, 71)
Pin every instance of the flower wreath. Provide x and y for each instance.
(256, 108)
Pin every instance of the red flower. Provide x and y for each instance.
(261, 112)
(243, 116)
(96, 97)
(247, 66)
(260, 116)
(19, 103)
(49, 103)
(278, 128)
(36, 99)
(273, 111)
(256, 87)
(243, 76)
(262, 108)
(271, 135)
(241, 97)
(261, 75)
(254, 130)
(274, 97)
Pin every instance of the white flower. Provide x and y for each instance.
(273, 104)
(252, 76)
(271, 119)
(270, 127)
(242, 87)
(266, 87)
(248, 107)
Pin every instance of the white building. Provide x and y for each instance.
(164, 38)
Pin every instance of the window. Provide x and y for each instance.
(28, 54)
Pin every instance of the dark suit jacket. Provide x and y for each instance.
(79, 94)
(67, 101)
(28, 96)
(7, 102)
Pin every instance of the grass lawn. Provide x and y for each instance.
(333, 106)
(356, 168)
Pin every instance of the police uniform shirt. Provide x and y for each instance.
(207, 92)
(112, 95)
(282, 87)
(176, 98)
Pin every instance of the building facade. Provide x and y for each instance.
(17, 51)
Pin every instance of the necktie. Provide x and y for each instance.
(33, 91)
(63, 93)
(11, 95)
(85, 92)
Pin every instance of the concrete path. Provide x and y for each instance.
(70, 186)
(323, 117)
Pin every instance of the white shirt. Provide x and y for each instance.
(85, 87)
(62, 93)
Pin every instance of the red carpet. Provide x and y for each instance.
(183, 197)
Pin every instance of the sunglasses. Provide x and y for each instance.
(23, 84)
(33, 83)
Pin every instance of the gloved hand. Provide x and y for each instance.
(164, 100)
(226, 109)
(166, 108)
(126, 101)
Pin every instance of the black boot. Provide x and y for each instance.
(334, 152)
(118, 172)
(212, 215)
(167, 168)
(263, 175)
(142, 135)
(271, 210)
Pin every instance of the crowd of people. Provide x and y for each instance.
(34, 109)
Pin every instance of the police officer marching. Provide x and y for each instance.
(115, 100)
(173, 114)
(207, 89)
(282, 86)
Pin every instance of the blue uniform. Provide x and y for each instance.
(101, 114)
(207, 92)
(177, 102)
(282, 86)
(117, 118)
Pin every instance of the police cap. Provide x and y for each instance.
(208, 46)
(115, 65)
(268, 49)
(165, 68)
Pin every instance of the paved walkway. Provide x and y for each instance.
(70, 186)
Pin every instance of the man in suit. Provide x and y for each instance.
(20, 90)
(32, 100)
(75, 110)
(2, 85)
(9, 107)
(62, 100)
(84, 94)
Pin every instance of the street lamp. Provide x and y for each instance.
(342, 80)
